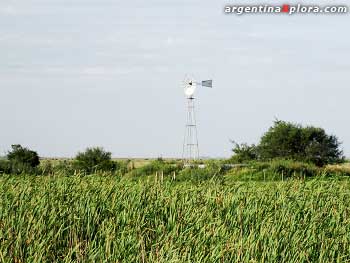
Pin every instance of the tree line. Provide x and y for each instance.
(23, 160)
(283, 140)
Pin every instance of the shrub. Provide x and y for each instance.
(292, 141)
(5, 167)
(306, 144)
(243, 152)
(22, 160)
(64, 167)
(23, 156)
(94, 159)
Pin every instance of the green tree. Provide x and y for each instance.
(23, 156)
(292, 141)
(321, 148)
(94, 159)
(20, 160)
(243, 152)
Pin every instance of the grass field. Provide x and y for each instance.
(101, 218)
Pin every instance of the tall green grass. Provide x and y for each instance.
(277, 170)
(108, 219)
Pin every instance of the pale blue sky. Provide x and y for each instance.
(107, 73)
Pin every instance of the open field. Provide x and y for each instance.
(101, 218)
(137, 162)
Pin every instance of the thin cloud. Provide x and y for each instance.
(99, 70)
(8, 10)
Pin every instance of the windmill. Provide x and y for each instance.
(190, 150)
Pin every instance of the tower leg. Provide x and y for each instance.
(190, 151)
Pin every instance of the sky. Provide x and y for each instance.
(83, 73)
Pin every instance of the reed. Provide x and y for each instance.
(103, 218)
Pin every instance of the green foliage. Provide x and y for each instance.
(24, 156)
(5, 167)
(158, 165)
(94, 159)
(289, 168)
(46, 168)
(211, 170)
(20, 160)
(280, 169)
(121, 166)
(292, 141)
(308, 144)
(244, 152)
(64, 167)
(105, 219)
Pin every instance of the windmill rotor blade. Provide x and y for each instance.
(207, 83)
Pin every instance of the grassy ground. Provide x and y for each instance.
(136, 162)
(100, 218)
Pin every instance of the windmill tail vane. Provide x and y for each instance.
(207, 83)
(204, 83)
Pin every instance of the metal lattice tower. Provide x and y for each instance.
(190, 151)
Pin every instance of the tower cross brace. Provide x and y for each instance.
(190, 151)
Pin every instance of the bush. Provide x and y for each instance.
(5, 167)
(306, 144)
(243, 152)
(23, 156)
(21, 160)
(94, 159)
(64, 167)
(292, 141)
